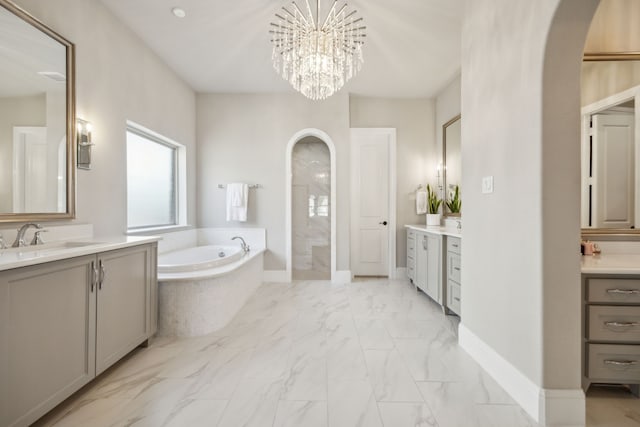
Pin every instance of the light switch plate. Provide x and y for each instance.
(487, 184)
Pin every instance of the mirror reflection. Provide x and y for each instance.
(610, 198)
(451, 133)
(34, 118)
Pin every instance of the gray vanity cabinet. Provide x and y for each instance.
(421, 261)
(434, 267)
(428, 264)
(454, 287)
(411, 254)
(64, 322)
(123, 317)
(47, 336)
(611, 329)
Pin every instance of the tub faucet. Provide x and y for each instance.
(243, 245)
(19, 242)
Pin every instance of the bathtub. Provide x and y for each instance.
(202, 286)
(198, 258)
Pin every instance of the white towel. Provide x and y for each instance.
(421, 202)
(237, 200)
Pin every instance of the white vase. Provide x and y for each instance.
(433, 219)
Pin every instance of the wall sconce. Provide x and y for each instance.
(83, 137)
(439, 176)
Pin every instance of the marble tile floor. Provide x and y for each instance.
(373, 353)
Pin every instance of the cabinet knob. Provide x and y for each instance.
(383, 223)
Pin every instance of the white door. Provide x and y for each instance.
(30, 169)
(370, 216)
(613, 172)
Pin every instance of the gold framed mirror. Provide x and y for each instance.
(37, 119)
(451, 167)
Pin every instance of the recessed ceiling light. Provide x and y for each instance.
(178, 12)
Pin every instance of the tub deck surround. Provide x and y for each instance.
(196, 301)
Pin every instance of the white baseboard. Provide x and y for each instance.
(519, 386)
(401, 273)
(546, 406)
(342, 276)
(275, 276)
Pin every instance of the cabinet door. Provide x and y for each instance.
(433, 267)
(153, 293)
(411, 255)
(47, 336)
(123, 303)
(421, 261)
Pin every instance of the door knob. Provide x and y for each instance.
(383, 223)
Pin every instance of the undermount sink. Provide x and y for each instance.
(53, 246)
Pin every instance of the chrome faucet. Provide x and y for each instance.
(243, 245)
(19, 242)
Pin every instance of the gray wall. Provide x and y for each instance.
(243, 138)
(417, 156)
(520, 110)
(118, 78)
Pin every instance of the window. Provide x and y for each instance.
(154, 169)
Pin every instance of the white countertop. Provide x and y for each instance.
(55, 251)
(611, 264)
(444, 231)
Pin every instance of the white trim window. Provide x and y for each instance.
(155, 180)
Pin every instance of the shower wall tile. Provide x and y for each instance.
(311, 209)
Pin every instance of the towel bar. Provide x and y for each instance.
(250, 186)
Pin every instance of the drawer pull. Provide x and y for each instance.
(622, 324)
(456, 268)
(624, 291)
(621, 362)
(456, 298)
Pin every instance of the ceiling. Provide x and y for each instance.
(412, 48)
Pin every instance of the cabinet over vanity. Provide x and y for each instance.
(67, 313)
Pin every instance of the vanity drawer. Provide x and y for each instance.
(411, 234)
(453, 296)
(453, 267)
(622, 291)
(614, 323)
(411, 245)
(614, 362)
(454, 244)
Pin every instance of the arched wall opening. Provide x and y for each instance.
(312, 140)
(521, 313)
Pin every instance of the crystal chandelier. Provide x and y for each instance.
(317, 56)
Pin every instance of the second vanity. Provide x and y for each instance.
(611, 320)
(68, 311)
(433, 263)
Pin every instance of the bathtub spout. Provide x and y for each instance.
(243, 245)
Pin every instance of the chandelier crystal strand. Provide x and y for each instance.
(317, 56)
